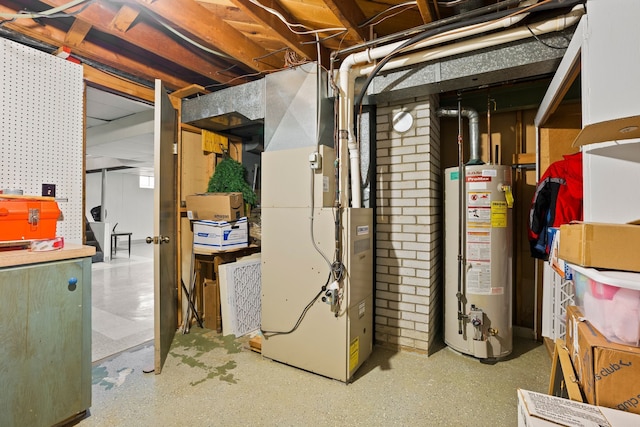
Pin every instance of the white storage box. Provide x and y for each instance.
(218, 236)
(541, 410)
(610, 300)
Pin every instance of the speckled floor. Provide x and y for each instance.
(209, 380)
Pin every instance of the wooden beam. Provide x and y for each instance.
(188, 91)
(425, 12)
(55, 37)
(212, 31)
(274, 25)
(524, 158)
(76, 34)
(350, 15)
(436, 8)
(97, 78)
(124, 18)
(101, 16)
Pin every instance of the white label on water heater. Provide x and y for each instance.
(479, 214)
(489, 172)
(479, 278)
(479, 261)
(479, 198)
(477, 185)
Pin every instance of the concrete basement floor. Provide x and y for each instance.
(210, 380)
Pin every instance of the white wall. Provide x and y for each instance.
(126, 203)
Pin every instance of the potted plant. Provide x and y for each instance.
(229, 177)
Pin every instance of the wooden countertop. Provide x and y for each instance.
(25, 256)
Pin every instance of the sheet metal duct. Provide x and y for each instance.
(300, 113)
(228, 109)
(474, 130)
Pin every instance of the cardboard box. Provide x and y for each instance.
(211, 305)
(220, 236)
(542, 410)
(215, 206)
(611, 246)
(607, 372)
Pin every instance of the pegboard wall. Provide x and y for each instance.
(41, 129)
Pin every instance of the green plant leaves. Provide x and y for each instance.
(228, 177)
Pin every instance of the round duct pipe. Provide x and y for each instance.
(474, 131)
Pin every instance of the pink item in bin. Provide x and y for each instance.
(599, 312)
(625, 316)
(602, 290)
(610, 301)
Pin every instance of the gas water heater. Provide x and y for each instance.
(478, 260)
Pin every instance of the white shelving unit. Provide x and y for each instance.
(611, 112)
(608, 65)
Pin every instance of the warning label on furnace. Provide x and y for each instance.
(354, 353)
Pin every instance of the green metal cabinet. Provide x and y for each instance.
(45, 336)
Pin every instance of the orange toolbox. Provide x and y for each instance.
(28, 217)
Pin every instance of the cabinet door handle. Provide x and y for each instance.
(73, 281)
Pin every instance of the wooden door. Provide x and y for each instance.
(164, 226)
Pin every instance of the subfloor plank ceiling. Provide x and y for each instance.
(218, 43)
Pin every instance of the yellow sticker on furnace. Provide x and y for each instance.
(499, 214)
(354, 353)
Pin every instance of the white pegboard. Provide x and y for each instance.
(240, 284)
(41, 129)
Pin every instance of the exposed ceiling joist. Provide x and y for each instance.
(144, 36)
(76, 34)
(124, 18)
(302, 44)
(91, 51)
(350, 15)
(216, 43)
(213, 31)
(425, 12)
(100, 79)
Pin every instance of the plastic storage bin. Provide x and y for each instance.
(610, 300)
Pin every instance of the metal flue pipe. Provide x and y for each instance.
(474, 130)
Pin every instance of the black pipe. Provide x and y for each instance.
(558, 4)
(424, 27)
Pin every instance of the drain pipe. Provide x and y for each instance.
(474, 130)
(358, 64)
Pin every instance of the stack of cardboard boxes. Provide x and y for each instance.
(606, 360)
(219, 223)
